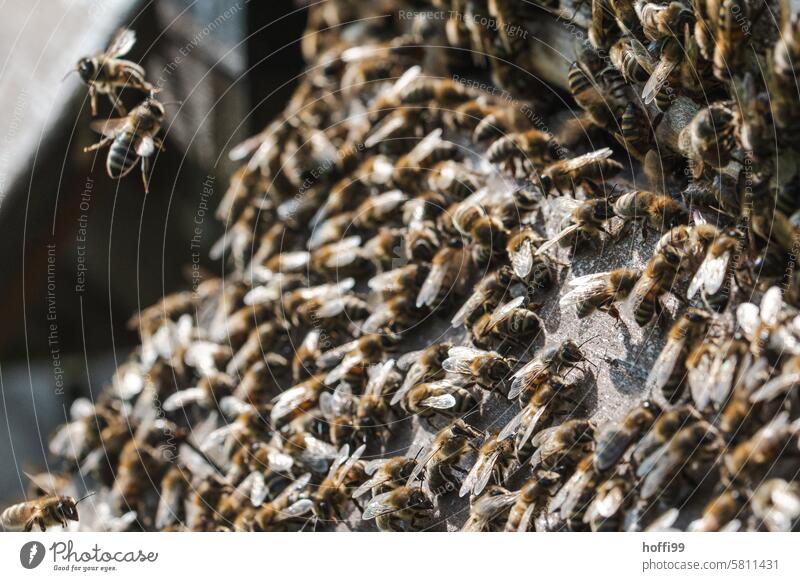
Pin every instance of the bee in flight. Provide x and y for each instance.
(50, 510)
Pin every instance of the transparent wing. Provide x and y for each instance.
(522, 259)
(431, 287)
(480, 473)
(664, 365)
(378, 376)
(181, 399)
(377, 506)
(108, 127)
(121, 43)
(580, 161)
(771, 304)
(444, 401)
(501, 312)
(475, 300)
(583, 292)
(459, 359)
(748, 317)
(660, 74)
(555, 240)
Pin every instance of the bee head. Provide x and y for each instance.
(463, 430)
(67, 509)
(571, 352)
(154, 108)
(87, 69)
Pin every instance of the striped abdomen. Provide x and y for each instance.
(15, 517)
(122, 156)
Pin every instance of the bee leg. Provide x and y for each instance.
(102, 143)
(614, 312)
(93, 99)
(29, 525)
(40, 522)
(115, 100)
(146, 173)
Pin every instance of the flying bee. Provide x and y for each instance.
(713, 276)
(661, 21)
(535, 269)
(659, 212)
(669, 370)
(485, 368)
(510, 323)
(421, 367)
(443, 455)
(486, 296)
(569, 173)
(51, 509)
(400, 509)
(549, 362)
(722, 513)
(599, 292)
(587, 228)
(386, 475)
(709, 138)
(531, 499)
(667, 471)
(438, 398)
(131, 138)
(494, 458)
(486, 511)
(521, 150)
(776, 505)
(750, 461)
(616, 438)
(446, 277)
(561, 447)
(658, 277)
(107, 73)
(488, 240)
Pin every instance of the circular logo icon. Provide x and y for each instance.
(31, 554)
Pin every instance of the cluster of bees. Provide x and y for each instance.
(397, 242)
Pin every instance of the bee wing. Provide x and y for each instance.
(121, 43)
(341, 370)
(347, 252)
(298, 509)
(774, 387)
(571, 493)
(334, 356)
(317, 454)
(295, 486)
(425, 146)
(664, 365)
(480, 473)
(609, 504)
(348, 465)
(377, 506)
(659, 76)
(699, 382)
(70, 440)
(611, 443)
(279, 462)
(649, 463)
(530, 371)
(183, 398)
(378, 376)
(108, 127)
(287, 402)
(248, 146)
(513, 425)
(370, 484)
(504, 311)
(432, 285)
(459, 359)
(664, 522)
(444, 401)
(771, 304)
(583, 291)
(710, 275)
(557, 238)
(46, 482)
(531, 426)
(169, 505)
(473, 302)
(581, 161)
(661, 472)
(522, 259)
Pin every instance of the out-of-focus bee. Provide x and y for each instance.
(588, 225)
(356, 356)
(535, 269)
(522, 150)
(568, 506)
(709, 138)
(339, 259)
(486, 296)
(50, 510)
(616, 438)
(713, 276)
(208, 393)
(661, 21)
(776, 505)
(607, 511)
(486, 511)
(669, 468)
(175, 487)
(599, 292)
(441, 397)
(106, 73)
(549, 362)
(660, 212)
(664, 428)
(631, 58)
(732, 26)
(452, 179)
(386, 475)
(487, 369)
(570, 173)
(561, 447)
(263, 343)
(305, 356)
(411, 171)
(443, 455)
(284, 510)
(334, 493)
(171, 307)
(488, 240)
(131, 138)
(421, 366)
(296, 400)
(749, 462)
(783, 86)
(530, 500)
(602, 95)
(510, 323)
(400, 509)
(494, 458)
(658, 277)
(669, 370)
(446, 277)
(380, 210)
(762, 327)
(442, 91)
(603, 27)
(722, 513)
(402, 281)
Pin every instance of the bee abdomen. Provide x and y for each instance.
(122, 156)
(13, 517)
(645, 311)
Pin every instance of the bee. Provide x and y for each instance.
(296, 400)
(132, 138)
(712, 278)
(762, 327)
(446, 277)
(441, 397)
(616, 438)
(494, 459)
(535, 269)
(334, 492)
(603, 98)
(636, 131)
(783, 88)
(372, 412)
(722, 513)
(399, 282)
(732, 26)
(524, 150)
(531, 499)
(561, 447)
(485, 368)
(305, 356)
(660, 212)
(512, 323)
(452, 180)
(386, 475)
(776, 505)
(568, 507)
(107, 73)
(379, 210)
(49, 510)
(599, 292)
(667, 424)
(632, 60)
(487, 295)
(422, 367)
(668, 469)
(749, 462)
(587, 226)
(669, 370)
(661, 21)
(709, 139)
(443, 455)
(603, 28)
(550, 361)
(400, 509)
(657, 88)
(441, 91)
(569, 173)
(337, 409)
(488, 240)
(487, 510)
(209, 391)
(283, 510)
(411, 171)
(175, 488)
(607, 511)
(658, 277)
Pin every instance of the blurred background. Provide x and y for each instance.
(80, 252)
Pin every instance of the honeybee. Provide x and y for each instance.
(441, 91)
(441, 397)
(296, 400)
(536, 270)
(762, 327)
(658, 277)
(488, 293)
(660, 212)
(487, 510)
(494, 459)
(550, 361)
(569, 173)
(664, 428)
(209, 391)
(602, 98)
(512, 323)
(568, 507)
(386, 475)
(561, 447)
(669, 369)
(587, 226)
(722, 513)
(732, 26)
(661, 21)
(712, 278)
(709, 138)
(488, 240)
(657, 87)
(337, 409)
(284, 509)
(131, 138)
(48, 511)
(782, 91)
(523, 150)
(749, 462)
(443, 455)
(400, 509)
(356, 357)
(603, 28)
(636, 132)
(446, 277)
(631, 58)
(599, 292)
(175, 487)
(106, 73)
(485, 368)
(334, 492)
(616, 438)
(776, 505)
(530, 500)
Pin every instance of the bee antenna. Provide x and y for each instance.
(588, 340)
(92, 493)
(180, 103)
(65, 77)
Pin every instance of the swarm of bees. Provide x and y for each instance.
(404, 251)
